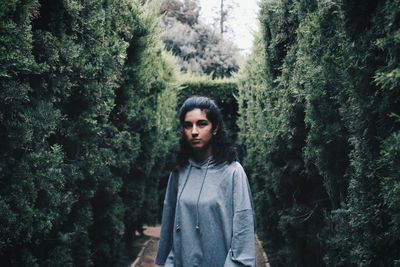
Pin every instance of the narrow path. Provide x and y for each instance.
(148, 253)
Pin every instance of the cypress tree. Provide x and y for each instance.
(319, 120)
(33, 194)
(79, 129)
(366, 218)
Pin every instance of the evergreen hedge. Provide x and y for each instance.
(85, 105)
(319, 120)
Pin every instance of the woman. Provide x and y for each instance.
(208, 214)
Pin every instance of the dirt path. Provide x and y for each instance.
(148, 253)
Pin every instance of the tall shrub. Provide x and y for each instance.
(83, 87)
(34, 196)
(367, 217)
(318, 112)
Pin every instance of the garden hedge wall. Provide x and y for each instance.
(86, 101)
(319, 113)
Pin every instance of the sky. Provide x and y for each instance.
(242, 22)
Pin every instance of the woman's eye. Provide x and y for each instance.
(187, 126)
(202, 124)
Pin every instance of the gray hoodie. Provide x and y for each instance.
(208, 217)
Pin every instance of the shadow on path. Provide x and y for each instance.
(147, 255)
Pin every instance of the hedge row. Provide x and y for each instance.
(86, 105)
(319, 106)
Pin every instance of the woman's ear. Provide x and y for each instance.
(215, 130)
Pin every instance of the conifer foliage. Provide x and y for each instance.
(319, 106)
(85, 94)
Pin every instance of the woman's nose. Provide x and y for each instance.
(194, 130)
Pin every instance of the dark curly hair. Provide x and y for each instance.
(223, 149)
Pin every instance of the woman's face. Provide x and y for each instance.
(198, 130)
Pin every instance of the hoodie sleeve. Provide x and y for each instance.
(167, 221)
(242, 250)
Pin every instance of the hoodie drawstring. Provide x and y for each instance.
(178, 224)
(198, 198)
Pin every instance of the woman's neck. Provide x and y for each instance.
(202, 155)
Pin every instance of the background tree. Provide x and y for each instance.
(199, 49)
(224, 14)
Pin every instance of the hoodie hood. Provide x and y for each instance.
(209, 163)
